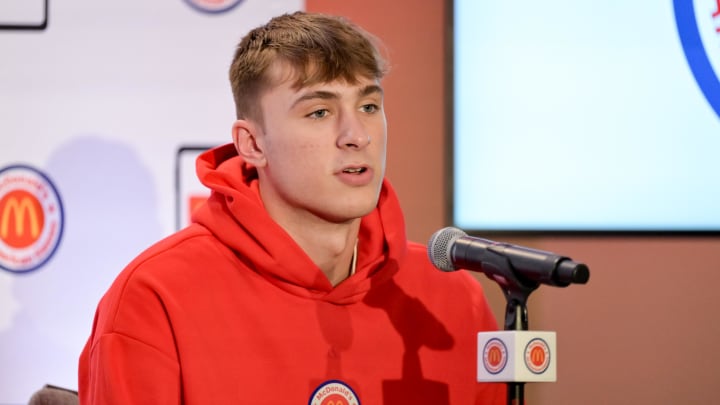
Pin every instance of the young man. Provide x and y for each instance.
(295, 284)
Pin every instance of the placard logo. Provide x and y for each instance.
(334, 392)
(31, 218)
(537, 356)
(495, 356)
(699, 31)
(213, 6)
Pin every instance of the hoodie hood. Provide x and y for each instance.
(235, 214)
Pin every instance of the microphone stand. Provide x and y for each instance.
(516, 290)
(516, 318)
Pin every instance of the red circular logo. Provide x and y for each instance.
(537, 356)
(495, 356)
(31, 218)
(22, 218)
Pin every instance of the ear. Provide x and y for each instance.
(245, 137)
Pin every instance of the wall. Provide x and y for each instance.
(641, 331)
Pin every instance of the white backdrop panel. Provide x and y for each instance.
(101, 101)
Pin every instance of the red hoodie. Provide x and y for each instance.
(231, 310)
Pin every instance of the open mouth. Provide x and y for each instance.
(355, 170)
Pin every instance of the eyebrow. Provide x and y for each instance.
(329, 95)
(370, 89)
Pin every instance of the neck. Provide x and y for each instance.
(333, 255)
(330, 246)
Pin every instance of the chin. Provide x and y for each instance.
(350, 213)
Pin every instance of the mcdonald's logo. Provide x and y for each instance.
(31, 218)
(334, 392)
(21, 219)
(537, 356)
(495, 356)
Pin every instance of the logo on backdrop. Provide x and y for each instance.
(213, 6)
(699, 31)
(537, 356)
(31, 218)
(334, 392)
(495, 356)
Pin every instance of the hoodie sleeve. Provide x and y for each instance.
(119, 369)
(130, 357)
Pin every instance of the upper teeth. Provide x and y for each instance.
(356, 170)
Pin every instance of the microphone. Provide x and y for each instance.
(452, 249)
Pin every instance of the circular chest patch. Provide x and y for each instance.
(334, 392)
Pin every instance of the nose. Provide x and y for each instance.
(352, 132)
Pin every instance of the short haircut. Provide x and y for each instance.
(319, 48)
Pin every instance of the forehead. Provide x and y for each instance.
(281, 74)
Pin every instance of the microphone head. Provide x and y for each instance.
(439, 246)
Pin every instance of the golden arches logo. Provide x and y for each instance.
(494, 356)
(31, 218)
(21, 218)
(537, 356)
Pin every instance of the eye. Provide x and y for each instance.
(370, 108)
(318, 114)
